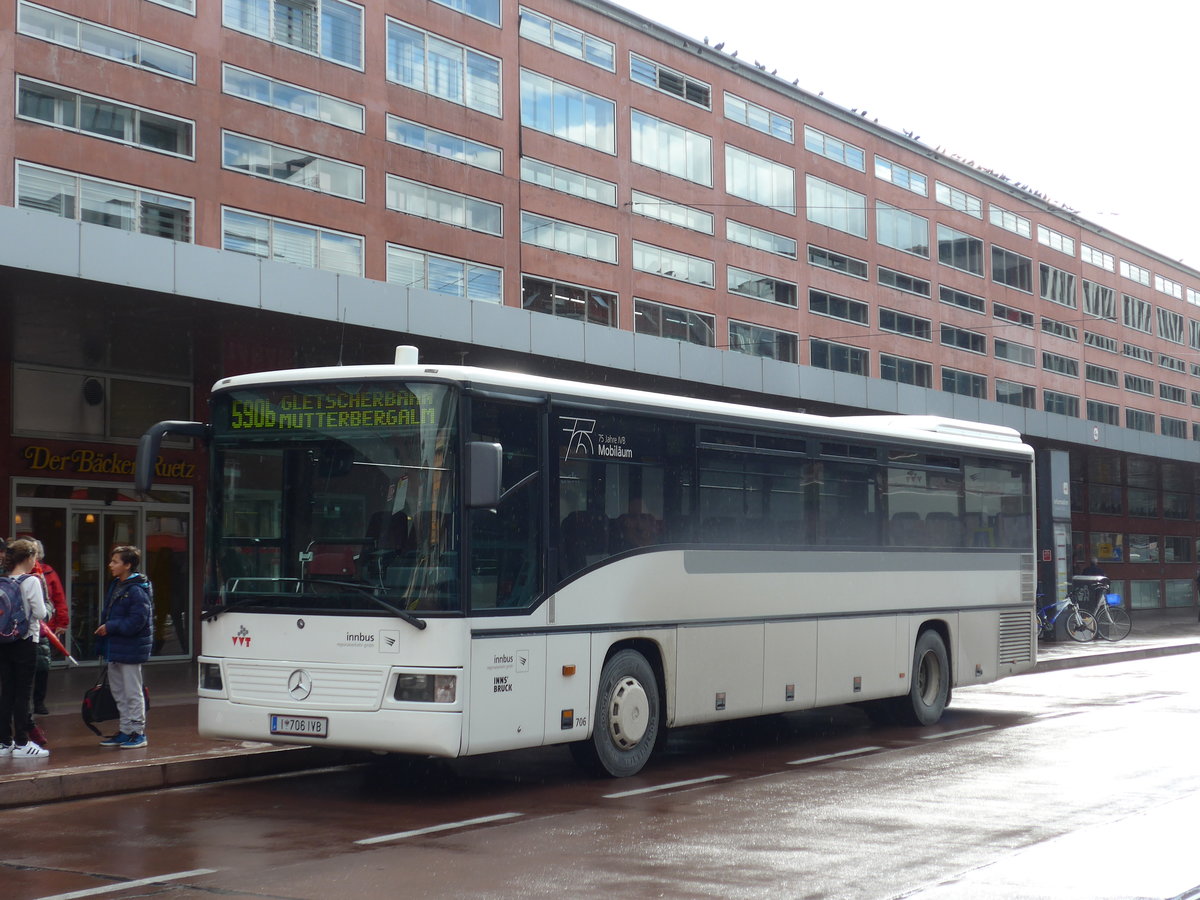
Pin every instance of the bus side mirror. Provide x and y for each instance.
(484, 462)
(150, 443)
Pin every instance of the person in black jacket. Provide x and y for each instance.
(128, 633)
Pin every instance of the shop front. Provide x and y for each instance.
(79, 502)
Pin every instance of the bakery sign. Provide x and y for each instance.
(86, 461)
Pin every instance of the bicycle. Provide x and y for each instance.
(1080, 624)
(1091, 592)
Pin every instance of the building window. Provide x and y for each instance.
(839, 357)
(1101, 375)
(330, 29)
(902, 323)
(1099, 301)
(901, 176)
(968, 384)
(1170, 326)
(836, 207)
(1135, 273)
(1172, 427)
(1012, 315)
(962, 300)
(568, 181)
(760, 180)
(961, 339)
(1059, 329)
(760, 239)
(106, 43)
(1057, 286)
(902, 230)
(672, 213)
(1104, 413)
(292, 98)
(444, 144)
(411, 267)
(1009, 221)
(910, 284)
(1133, 351)
(566, 39)
(1137, 314)
(672, 264)
(905, 371)
(1168, 287)
(1098, 258)
(671, 148)
(291, 242)
(1063, 365)
(759, 118)
(187, 6)
(1170, 362)
(485, 10)
(569, 301)
(832, 148)
(433, 65)
(440, 205)
(566, 237)
(838, 262)
(1020, 354)
(1100, 342)
(769, 343)
(674, 323)
(657, 76)
(959, 250)
(1139, 385)
(1172, 393)
(1061, 404)
(287, 165)
(960, 200)
(835, 307)
(1012, 269)
(1055, 240)
(760, 287)
(103, 118)
(1014, 394)
(1137, 420)
(108, 203)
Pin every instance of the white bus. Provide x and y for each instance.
(450, 561)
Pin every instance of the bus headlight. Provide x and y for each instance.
(412, 688)
(210, 677)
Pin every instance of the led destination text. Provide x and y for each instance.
(365, 409)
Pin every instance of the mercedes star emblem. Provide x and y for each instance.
(299, 685)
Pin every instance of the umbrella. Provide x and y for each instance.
(57, 644)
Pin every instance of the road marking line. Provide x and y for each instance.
(664, 787)
(816, 759)
(120, 886)
(946, 734)
(434, 829)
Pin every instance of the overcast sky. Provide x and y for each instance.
(1093, 104)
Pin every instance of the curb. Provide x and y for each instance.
(1081, 661)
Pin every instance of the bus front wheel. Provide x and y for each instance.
(627, 718)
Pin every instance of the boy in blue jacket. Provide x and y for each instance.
(127, 628)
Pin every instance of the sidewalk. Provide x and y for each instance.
(77, 767)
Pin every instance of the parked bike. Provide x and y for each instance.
(1092, 593)
(1080, 624)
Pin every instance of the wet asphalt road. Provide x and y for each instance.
(1082, 783)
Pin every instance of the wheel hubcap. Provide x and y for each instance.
(928, 678)
(628, 713)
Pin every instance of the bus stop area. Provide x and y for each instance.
(178, 755)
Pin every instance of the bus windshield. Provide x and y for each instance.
(334, 498)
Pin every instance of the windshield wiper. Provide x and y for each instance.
(213, 611)
(404, 614)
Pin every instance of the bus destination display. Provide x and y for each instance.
(332, 408)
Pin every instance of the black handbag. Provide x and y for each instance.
(99, 705)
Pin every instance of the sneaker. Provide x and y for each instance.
(115, 740)
(6, 749)
(135, 742)
(29, 751)
(41, 710)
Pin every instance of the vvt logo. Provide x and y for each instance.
(242, 638)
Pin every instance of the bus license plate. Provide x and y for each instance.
(300, 726)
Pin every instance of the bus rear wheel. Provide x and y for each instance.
(627, 718)
(929, 688)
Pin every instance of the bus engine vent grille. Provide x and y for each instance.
(1016, 637)
(333, 687)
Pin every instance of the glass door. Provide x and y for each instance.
(94, 533)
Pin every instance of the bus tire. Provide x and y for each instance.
(628, 714)
(929, 690)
